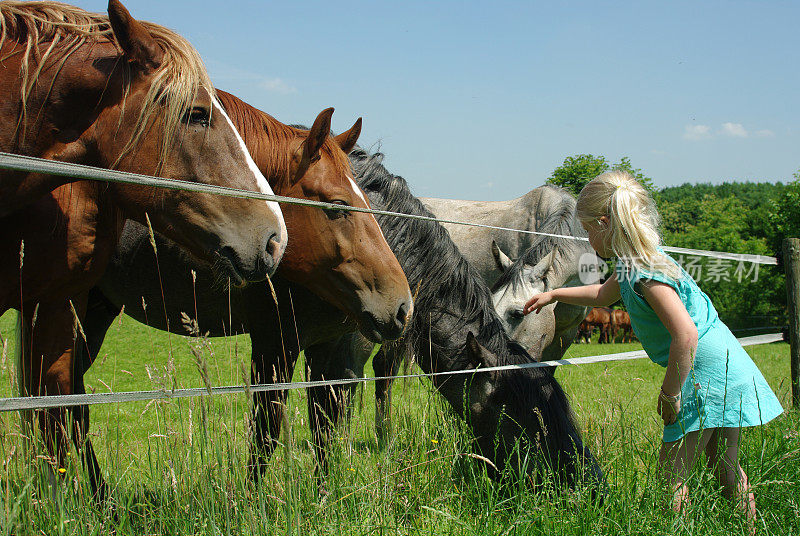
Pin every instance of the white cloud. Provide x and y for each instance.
(728, 130)
(697, 132)
(734, 130)
(277, 85)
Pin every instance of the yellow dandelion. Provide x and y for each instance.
(62, 470)
(434, 441)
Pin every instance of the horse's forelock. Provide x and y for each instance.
(536, 400)
(175, 83)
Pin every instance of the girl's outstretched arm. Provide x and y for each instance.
(590, 295)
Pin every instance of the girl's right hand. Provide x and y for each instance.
(537, 302)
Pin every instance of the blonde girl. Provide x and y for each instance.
(711, 387)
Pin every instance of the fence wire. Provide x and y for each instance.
(67, 169)
(58, 401)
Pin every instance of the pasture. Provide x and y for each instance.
(179, 467)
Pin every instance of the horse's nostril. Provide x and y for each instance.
(273, 246)
(402, 313)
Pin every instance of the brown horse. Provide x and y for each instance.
(340, 256)
(621, 321)
(112, 92)
(600, 317)
(584, 332)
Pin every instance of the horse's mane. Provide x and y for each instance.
(66, 28)
(267, 139)
(433, 266)
(560, 220)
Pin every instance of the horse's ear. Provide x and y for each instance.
(502, 260)
(538, 272)
(136, 42)
(347, 140)
(477, 354)
(309, 149)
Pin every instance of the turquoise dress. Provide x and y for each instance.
(724, 389)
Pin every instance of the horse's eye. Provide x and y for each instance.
(333, 213)
(198, 116)
(516, 314)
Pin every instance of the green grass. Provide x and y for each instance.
(179, 467)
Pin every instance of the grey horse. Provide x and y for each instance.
(542, 262)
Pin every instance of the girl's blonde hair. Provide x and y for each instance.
(633, 221)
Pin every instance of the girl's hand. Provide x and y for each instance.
(537, 302)
(668, 407)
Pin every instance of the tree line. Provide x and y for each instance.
(738, 217)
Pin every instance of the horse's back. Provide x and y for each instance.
(523, 213)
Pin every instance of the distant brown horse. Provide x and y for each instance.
(600, 317)
(584, 334)
(109, 91)
(621, 321)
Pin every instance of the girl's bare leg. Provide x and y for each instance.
(676, 460)
(722, 457)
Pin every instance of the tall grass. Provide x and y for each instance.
(180, 467)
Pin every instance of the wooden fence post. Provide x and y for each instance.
(791, 264)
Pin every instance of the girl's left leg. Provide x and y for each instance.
(676, 460)
(722, 457)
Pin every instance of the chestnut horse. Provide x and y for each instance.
(340, 256)
(621, 321)
(113, 92)
(601, 318)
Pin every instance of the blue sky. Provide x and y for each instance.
(483, 100)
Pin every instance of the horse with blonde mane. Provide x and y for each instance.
(112, 92)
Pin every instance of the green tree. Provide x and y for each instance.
(577, 170)
(784, 214)
(738, 291)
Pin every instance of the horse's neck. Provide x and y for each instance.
(50, 123)
(69, 236)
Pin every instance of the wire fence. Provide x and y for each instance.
(58, 401)
(15, 162)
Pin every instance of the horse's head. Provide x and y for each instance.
(135, 96)
(340, 255)
(522, 421)
(535, 331)
(546, 334)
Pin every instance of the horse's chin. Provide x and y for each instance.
(369, 329)
(226, 268)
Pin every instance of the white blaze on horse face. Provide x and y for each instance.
(357, 190)
(261, 181)
(360, 194)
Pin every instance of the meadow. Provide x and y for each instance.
(179, 467)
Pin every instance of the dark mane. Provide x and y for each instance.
(560, 220)
(433, 266)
